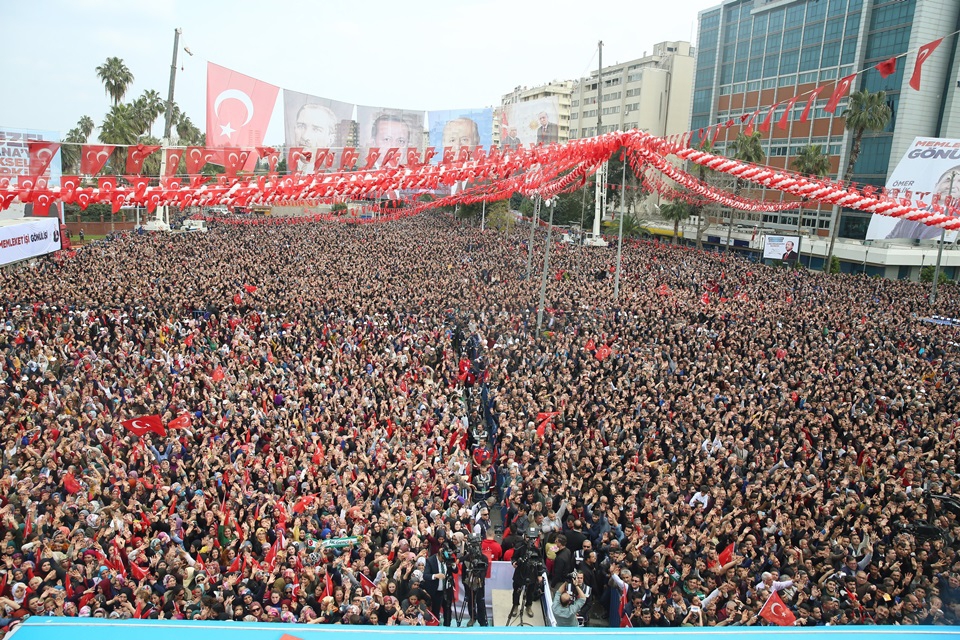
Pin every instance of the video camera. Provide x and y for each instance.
(530, 561)
(474, 562)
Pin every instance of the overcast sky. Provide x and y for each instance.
(427, 54)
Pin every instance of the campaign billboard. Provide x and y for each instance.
(531, 122)
(311, 123)
(457, 128)
(384, 128)
(15, 162)
(785, 248)
(28, 238)
(930, 171)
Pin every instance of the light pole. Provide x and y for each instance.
(943, 235)
(163, 212)
(546, 266)
(533, 226)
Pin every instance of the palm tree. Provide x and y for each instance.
(86, 126)
(746, 148)
(867, 111)
(116, 78)
(675, 212)
(70, 151)
(811, 161)
(148, 107)
(119, 127)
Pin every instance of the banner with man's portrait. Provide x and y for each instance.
(312, 123)
(457, 128)
(385, 129)
(785, 248)
(931, 166)
(531, 122)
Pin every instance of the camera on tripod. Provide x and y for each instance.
(473, 560)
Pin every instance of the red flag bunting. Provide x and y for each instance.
(782, 123)
(136, 155)
(765, 125)
(925, 52)
(41, 155)
(172, 159)
(887, 68)
(843, 87)
(813, 98)
(196, 158)
(93, 157)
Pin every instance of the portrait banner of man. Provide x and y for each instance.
(928, 174)
(313, 123)
(456, 128)
(783, 248)
(531, 122)
(385, 129)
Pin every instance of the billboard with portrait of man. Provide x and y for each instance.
(384, 129)
(311, 123)
(531, 122)
(15, 162)
(930, 171)
(457, 128)
(785, 248)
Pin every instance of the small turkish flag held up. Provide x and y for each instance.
(603, 351)
(705, 298)
(925, 52)
(591, 345)
(249, 288)
(180, 422)
(218, 374)
(143, 425)
(887, 68)
(136, 155)
(843, 87)
(41, 154)
(776, 612)
(93, 157)
(726, 555)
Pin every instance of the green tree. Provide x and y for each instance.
(86, 126)
(926, 275)
(70, 151)
(116, 78)
(675, 212)
(811, 161)
(499, 216)
(868, 111)
(146, 109)
(746, 148)
(118, 128)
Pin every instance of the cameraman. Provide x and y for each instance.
(528, 569)
(474, 567)
(567, 602)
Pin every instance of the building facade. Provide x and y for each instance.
(652, 93)
(752, 54)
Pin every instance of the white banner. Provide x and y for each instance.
(786, 248)
(29, 238)
(929, 169)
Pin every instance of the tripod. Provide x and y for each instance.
(517, 620)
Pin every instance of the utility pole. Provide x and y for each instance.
(623, 183)
(943, 235)
(546, 267)
(163, 213)
(533, 226)
(483, 215)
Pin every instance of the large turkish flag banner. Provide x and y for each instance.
(238, 110)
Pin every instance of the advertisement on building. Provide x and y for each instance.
(785, 248)
(28, 239)
(930, 171)
(15, 162)
(385, 129)
(460, 128)
(531, 122)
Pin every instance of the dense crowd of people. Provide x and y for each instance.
(348, 401)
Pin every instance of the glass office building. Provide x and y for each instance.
(752, 54)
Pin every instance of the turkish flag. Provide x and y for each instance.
(238, 109)
(218, 374)
(234, 160)
(810, 101)
(139, 183)
(372, 154)
(137, 154)
(887, 68)
(41, 154)
(726, 555)
(172, 156)
(603, 351)
(93, 157)
(271, 155)
(705, 298)
(196, 158)
(180, 422)
(591, 345)
(348, 159)
(925, 52)
(42, 199)
(777, 612)
(782, 123)
(143, 425)
(69, 184)
(249, 288)
(413, 157)
(106, 184)
(6, 199)
(765, 125)
(843, 87)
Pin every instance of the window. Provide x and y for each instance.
(813, 33)
(634, 77)
(828, 74)
(885, 44)
(771, 65)
(610, 110)
(837, 7)
(849, 51)
(831, 55)
(759, 26)
(791, 39)
(592, 100)
(776, 20)
(805, 78)
(754, 69)
(574, 103)
(789, 61)
(810, 58)
(788, 81)
(833, 30)
(773, 43)
(794, 17)
(589, 114)
(756, 47)
(631, 93)
(612, 82)
(753, 86)
(633, 106)
(615, 95)
(853, 25)
(573, 133)
(769, 83)
(892, 15)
